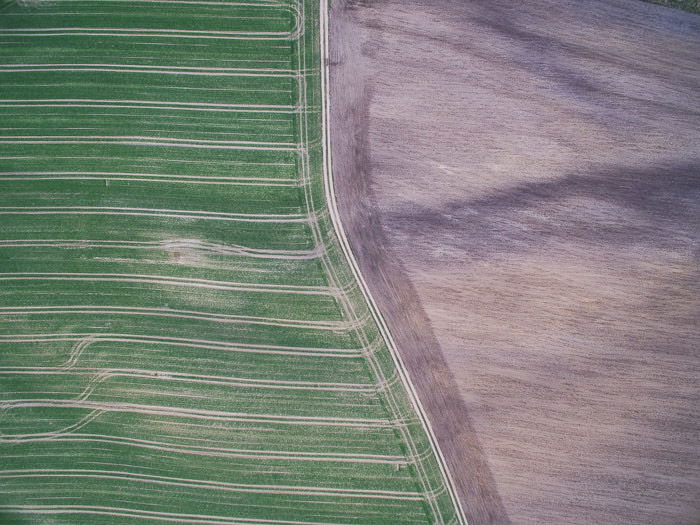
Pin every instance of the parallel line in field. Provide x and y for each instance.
(169, 280)
(143, 69)
(141, 33)
(146, 177)
(173, 517)
(259, 3)
(160, 143)
(293, 34)
(150, 141)
(153, 212)
(200, 450)
(226, 163)
(209, 415)
(146, 67)
(137, 137)
(102, 374)
(186, 244)
(178, 314)
(174, 130)
(97, 376)
(212, 485)
(155, 143)
(84, 340)
(84, 421)
(149, 104)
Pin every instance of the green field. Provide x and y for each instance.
(182, 337)
(688, 5)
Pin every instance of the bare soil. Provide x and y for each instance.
(520, 181)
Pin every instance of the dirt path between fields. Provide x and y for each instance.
(520, 183)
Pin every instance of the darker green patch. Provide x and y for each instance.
(692, 6)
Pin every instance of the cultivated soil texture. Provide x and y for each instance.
(521, 185)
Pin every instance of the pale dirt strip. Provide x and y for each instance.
(119, 140)
(177, 130)
(159, 143)
(143, 68)
(86, 339)
(329, 189)
(202, 414)
(153, 212)
(148, 104)
(4, 138)
(294, 34)
(224, 163)
(169, 245)
(201, 450)
(211, 485)
(151, 33)
(19, 438)
(102, 374)
(140, 33)
(330, 270)
(213, 162)
(170, 281)
(256, 3)
(98, 375)
(146, 177)
(181, 314)
(198, 519)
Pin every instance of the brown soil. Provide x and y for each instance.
(520, 182)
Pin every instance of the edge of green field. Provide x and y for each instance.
(441, 500)
(692, 6)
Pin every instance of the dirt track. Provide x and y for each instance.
(520, 182)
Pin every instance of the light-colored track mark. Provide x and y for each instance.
(173, 517)
(169, 245)
(153, 212)
(201, 414)
(83, 341)
(171, 281)
(145, 177)
(179, 314)
(210, 485)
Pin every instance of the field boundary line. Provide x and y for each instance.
(362, 284)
